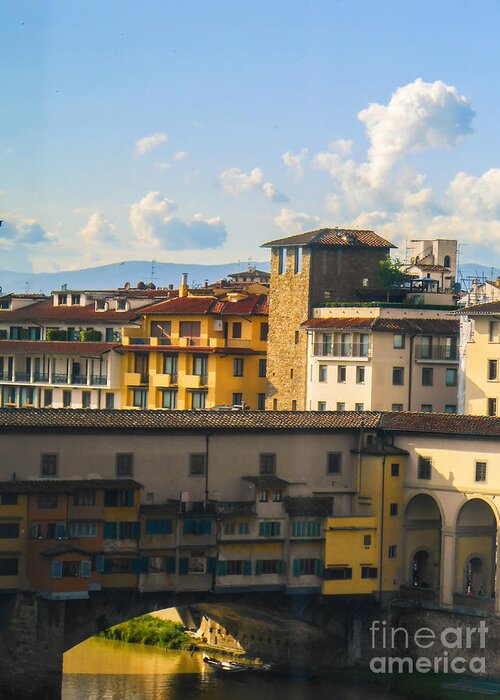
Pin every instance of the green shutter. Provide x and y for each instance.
(186, 526)
(140, 565)
(247, 568)
(60, 531)
(170, 564)
(107, 566)
(85, 569)
(297, 567)
(222, 567)
(318, 567)
(110, 530)
(281, 567)
(129, 497)
(183, 565)
(56, 569)
(99, 563)
(211, 565)
(258, 567)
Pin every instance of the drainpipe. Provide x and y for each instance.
(410, 369)
(381, 548)
(207, 445)
(360, 458)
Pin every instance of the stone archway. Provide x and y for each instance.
(476, 549)
(422, 525)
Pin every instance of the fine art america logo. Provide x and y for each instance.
(453, 650)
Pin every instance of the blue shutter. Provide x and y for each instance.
(318, 567)
(129, 497)
(222, 567)
(247, 568)
(258, 567)
(85, 569)
(110, 530)
(56, 569)
(107, 566)
(206, 527)
(211, 565)
(99, 563)
(186, 527)
(183, 565)
(281, 567)
(136, 566)
(263, 529)
(137, 530)
(60, 531)
(170, 563)
(297, 567)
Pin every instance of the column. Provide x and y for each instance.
(497, 573)
(448, 554)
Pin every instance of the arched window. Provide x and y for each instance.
(447, 261)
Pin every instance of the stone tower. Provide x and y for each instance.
(309, 270)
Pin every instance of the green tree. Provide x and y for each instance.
(391, 273)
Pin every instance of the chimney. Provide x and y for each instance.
(183, 288)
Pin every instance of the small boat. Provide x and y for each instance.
(223, 666)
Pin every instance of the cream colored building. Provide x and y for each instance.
(378, 358)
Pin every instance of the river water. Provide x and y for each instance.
(100, 669)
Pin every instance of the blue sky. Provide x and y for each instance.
(194, 131)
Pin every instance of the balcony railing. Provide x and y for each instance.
(59, 378)
(438, 353)
(99, 380)
(78, 379)
(6, 376)
(94, 512)
(163, 340)
(342, 350)
(22, 377)
(41, 377)
(139, 341)
(144, 378)
(173, 379)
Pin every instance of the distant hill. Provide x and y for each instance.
(475, 270)
(116, 274)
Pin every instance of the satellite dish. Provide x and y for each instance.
(126, 285)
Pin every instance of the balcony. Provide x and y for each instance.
(41, 377)
(343, 350)
(438, 353)
(139, 341)
(6, 376)
(22, 376)
(99, 380)
(59, 378)
(78, 379)
(93, 513)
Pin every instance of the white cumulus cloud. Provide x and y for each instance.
(235, 183)
(24, 231)
(181, 155)
(154, 224)
(292, 222)
(97, 230)
(294, 161)
(148, 143)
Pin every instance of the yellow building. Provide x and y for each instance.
(196, 352)
(480, 358)
(363, 547)
(13, 536)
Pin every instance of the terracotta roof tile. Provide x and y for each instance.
(253, 304)
(65, 485)
(441, 424)
(491, 308)
(333, 237)
(45, 311)
(56, 347)
(341, 323)
(430, 326)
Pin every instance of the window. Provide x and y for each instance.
(340, 406)
(341, 374)
(8, 566)
(170, 364)
(338, 573)
(360, 375)
(100, 305)
(161, 330)
(198, 399)
(261, 402)
(263, 496)
(321, 405)
(86, 399)
(393, 509)
(451, 376)
(397, 407)
(128, 530)
(109, 335)
(197, 464)
(75, 300)
(158, 526)
(67, 398)
(447, 261)
(398, 376)
(322, 373)
(297, 261)
(83, 528)
(450, 348)
(398, 341)
(277, 496)
(367, 540)
(47, 397)
(427, 376)
(264, 330)
(140, 398)
(306, 528)
(480, 471)
(450, 408)
(200, 365)
(394, 469)
(493, 332)
(68, 569)
(269, 528)
(392, 551)
(109, 400)
(262, 368)
(238, 367)
(124, 464)
(238, 399)
(359, 407)
(334, 463)
(296, 337)
(426, 408)
(492, 370)
(169, 399)
(190, 329)
(369, 572)
(492, 407)
(48, 501)
(426, 347)
(8, 499)
(275, 404)
(49, 464)
(84, 497)
(268, 566)
(244, 527)
(267, 463)
(236, 329)
(229, 528)
(234, 567)
(305, 567)
(9, 531)
(114, 498)
(281, 261)
(63, 298)
(424, 467)
(197, 526)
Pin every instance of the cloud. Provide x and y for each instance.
(154, 224)
(294, 161)
(270, 192)
(477, 197)
(181, 155)
(97, 230)
(291, 222)
(26, 232)
(148, 143)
